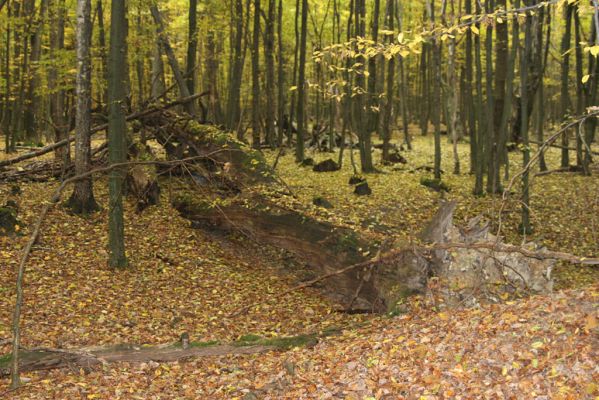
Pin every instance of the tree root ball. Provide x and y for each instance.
(8, 220)
(326, 166)
(362, 189)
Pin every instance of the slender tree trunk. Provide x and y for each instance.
(34, 98)
(436, 93)
(579, 88)
(301, 88)
(102, 48)
(373, 115)
(82, 200)
(236, 74)
(480, 142)
(491, 153)
(269, 56)
(6, 109)
(192, 46)
(158, 85)
(386, 128)
(256, 78)
(190, 107)
(211, 75)
(469, 92)
(566, 108)
(62, 154)
(360, 116)
(507, 102)
(117, 128)
(525, 226)
(281, 75)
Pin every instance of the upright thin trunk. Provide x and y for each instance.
(579, 89)
(117, 128)
(211, 75)
(478, 110)
(190, 107)
(102, 46)
(301, 90)
(158, 85)
(565, 82)
(6, 109)
(82, 200)
(373, 116)
(389, 25)
(361, 123)
(525, 228)
(233, 96)
(269, 56)
(57, 101)
(281, 75)
(192, 46)
(491, 153)
(256, 77)
(507, 102)
(469, 93)
(436, 94)
(34, 99)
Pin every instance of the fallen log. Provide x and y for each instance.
(45, 359)
(472, 265)
(138, 115)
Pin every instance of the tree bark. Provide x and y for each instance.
(256, 131)
(82, 200)
(172, 59)
(117, 128)
(301, 85)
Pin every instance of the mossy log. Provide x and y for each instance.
(324, 248)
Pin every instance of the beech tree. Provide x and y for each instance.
(82, 200)
(117, 131)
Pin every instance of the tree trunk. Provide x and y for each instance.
(372, 115)
(211, 75)
(82, 200)
(62, 155)
(301, 85)
(117, 128)
(256, 78)
(236, 72)
(491, 149)
(192, 46)
(269, 59)
(281, 75)
(525, 226)
(386, 128)
(478, 110)
(158, 85)
(103, 57)
(565, 103)
(172, 59)
(360, 116)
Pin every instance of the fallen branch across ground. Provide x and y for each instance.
(44, 359)
(389, 256)
(99, 128)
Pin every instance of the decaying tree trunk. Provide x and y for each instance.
(472, 272)
(46, 359)
(142, 187)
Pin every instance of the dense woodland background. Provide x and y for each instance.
(216, 139)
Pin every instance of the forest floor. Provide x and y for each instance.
(186, 280)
